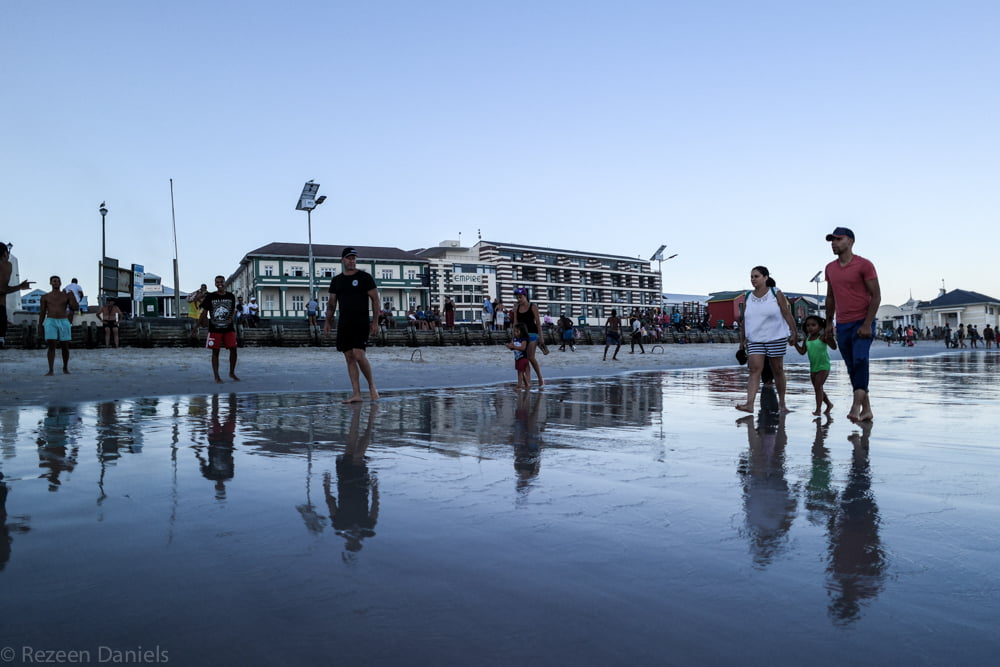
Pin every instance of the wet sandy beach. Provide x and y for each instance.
(607, 520)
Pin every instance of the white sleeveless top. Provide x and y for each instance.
(763, 319)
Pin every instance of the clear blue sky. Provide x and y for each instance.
(738, 133)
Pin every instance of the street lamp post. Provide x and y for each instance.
(103, 210)
(660, 259)
(307, 202)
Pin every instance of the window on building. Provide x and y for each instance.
(297, 271)
(386, 274)
(389, 302)
(412, 302)
(269, 302)
(269, 269)
(297, 302)
(328, 273)
(411, 274)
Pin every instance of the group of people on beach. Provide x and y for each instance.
(768, 329)
(353, 290)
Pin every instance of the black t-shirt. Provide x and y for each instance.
(352, 292)
(221, 311)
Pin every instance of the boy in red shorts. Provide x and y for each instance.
(218, 311)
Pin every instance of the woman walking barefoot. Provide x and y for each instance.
(767, 323)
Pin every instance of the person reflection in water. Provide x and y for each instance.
(6, 528)
(57, 449)
(768, 503)
(219, 465)
(820, 496)
(527, 439)
(858, 562)
(354, 510)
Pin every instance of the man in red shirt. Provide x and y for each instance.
(853, 295)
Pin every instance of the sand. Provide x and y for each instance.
(102, 375)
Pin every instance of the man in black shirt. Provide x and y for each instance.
(218, 311)
(354, 290)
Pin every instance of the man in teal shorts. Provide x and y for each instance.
(52, 322)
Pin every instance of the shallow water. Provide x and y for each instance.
(633, 519)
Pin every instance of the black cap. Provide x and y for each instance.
(839, 233)
(348, 251)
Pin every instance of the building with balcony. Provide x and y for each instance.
(277, 275)
(582, 285)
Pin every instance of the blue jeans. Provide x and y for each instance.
(854, 350)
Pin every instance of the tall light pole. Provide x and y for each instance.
(307, 202)
(104, 253)
(659, 258)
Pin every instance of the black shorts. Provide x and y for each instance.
(110, 325)
(352, 333)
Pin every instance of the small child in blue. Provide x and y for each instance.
(520, 346)
(815, 345)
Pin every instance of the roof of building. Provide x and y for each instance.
(324, 251)
(958, 297)
(716, 297)
(562, 251)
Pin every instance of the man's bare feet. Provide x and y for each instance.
(49, 373)
(816, 412)
(218, 379)
(866, 416)
(356, 398)
(829, 409)
(372, 394)
(743, 407)
(233, 375)
(785, 409)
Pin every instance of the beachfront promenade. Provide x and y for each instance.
(296, 332)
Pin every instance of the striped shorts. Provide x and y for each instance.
(774, 348)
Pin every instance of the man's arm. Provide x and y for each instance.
(831, 307)
(331, 308)
(373, 296)
(875, 291)
(786, 312)
(6, 289)
(43, 310)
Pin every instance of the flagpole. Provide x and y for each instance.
(177, 279)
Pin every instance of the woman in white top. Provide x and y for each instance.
(768, 329)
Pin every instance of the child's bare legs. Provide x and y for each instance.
(818, 380)
(524, 379)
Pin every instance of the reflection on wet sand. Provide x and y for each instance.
(354, 508)
(768, 502)
(858, 561)
(527, 438)
(57, 443)
(632, 512)
(216, 461)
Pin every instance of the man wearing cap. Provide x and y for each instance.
(354, 290)
(853, 295)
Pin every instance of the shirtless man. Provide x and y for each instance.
(5, 270)
(53, 325)
(110, 314)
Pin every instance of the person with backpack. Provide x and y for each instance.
(767, 330)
